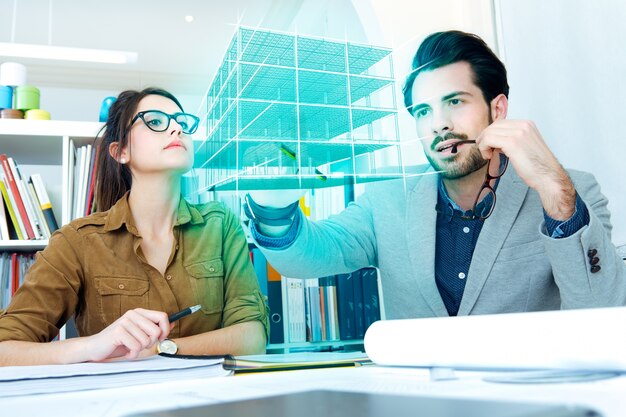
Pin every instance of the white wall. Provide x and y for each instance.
(83, 104)
(567, 72)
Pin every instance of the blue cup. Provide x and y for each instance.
(6, 97)
(104, 109)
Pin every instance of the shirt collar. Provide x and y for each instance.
(444, 200)
(120, 214)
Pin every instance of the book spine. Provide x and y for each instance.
(295, 305)
(37, 209)
(371, 307)
(314, 319)
(92, 182)
(4, 225)
(323, 313)
(12, 207)
(260, 268)
(14, 192)
(275, 303)
(28, 204)
(332, 322)
(358, 305)
(44, 202)
(345, 306)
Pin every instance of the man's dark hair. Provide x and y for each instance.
(445, 48)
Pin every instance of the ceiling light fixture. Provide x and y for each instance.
(188, 18)
(63, 53)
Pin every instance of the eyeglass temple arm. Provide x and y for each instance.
(461, 142)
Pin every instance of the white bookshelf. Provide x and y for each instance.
(43, 146)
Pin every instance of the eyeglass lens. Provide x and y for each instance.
(159, 121)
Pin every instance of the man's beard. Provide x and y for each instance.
(453, 169)
(457, 167)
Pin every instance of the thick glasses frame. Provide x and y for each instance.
(486, 186)
(188, 130)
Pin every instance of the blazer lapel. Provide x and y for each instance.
(511, 193)
(421, 221)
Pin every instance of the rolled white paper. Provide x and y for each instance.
(13, 74)
(589, 339)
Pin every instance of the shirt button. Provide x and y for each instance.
(594, 260)
(466, 229)
(461, 275)
(211, 269)
(168, 277)
(595, 269)
(592, 252)
(121, 286)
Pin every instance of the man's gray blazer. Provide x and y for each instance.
(515, 267)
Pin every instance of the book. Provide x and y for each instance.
(28, 205)
(16, 199)
(313, 310)
(328, 286)
(358, 305)
(295, 308)
(4, 224)
(275, 304)
(16, 220)
(44, 202)
(345, 306)
(371, 305)
(32, 195)
(29, 380)
(260, 268)
(294, 361)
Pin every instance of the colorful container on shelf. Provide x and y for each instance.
(6, 97)
(26, 97)
(11, 114)
(37, 114)
(12, 73)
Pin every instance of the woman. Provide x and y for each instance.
(147, 253)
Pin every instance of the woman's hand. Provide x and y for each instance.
(129, 336)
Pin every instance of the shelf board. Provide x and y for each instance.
(21, 127)
(287, 182)
(267, 152)
(22, 245)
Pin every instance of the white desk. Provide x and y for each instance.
(607, 396)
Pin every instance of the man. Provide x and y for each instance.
(442, 244)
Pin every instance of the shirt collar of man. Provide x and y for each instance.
(120, 214)
(445, 201)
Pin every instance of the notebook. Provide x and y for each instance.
(344, 404)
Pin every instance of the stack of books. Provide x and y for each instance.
(25, 208)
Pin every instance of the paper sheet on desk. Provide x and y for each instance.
(590, 339)
(27, 380)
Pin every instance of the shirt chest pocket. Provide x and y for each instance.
(207, 280)
(118, 294)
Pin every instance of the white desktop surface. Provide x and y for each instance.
(606, 396)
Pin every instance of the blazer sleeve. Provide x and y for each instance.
(340, 244)
(580, 284)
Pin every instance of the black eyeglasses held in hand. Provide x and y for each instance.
(493, 173)
(159, 121)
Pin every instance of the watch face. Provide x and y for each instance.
(168, 346)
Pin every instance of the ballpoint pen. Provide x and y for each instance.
(184, 313)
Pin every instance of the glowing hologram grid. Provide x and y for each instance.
(283, 105)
